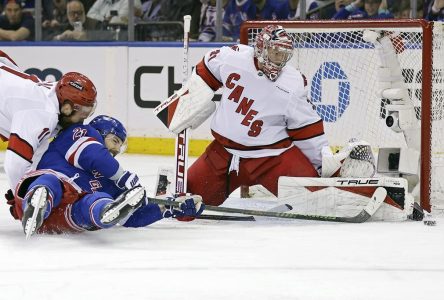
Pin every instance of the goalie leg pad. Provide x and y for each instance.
(345, 197)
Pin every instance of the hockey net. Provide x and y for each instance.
(341, 69)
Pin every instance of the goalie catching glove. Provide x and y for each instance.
(190, 206)
(188, 107)
(355, 160)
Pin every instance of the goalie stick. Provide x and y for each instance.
(366, 213)
(225, 218)
(182, 139)
(280, 208)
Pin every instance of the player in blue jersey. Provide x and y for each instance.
(79, 185)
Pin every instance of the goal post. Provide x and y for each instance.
(343, 73)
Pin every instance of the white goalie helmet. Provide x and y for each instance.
(273, 49)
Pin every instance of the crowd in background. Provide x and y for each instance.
(161, 20)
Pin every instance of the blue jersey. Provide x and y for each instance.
(235, 15)
(79, 153)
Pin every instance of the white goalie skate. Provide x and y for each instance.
(33, 215)
(123, 206)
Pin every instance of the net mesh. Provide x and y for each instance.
(437, 123)
(342, 73)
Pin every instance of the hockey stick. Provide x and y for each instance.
(226, 218)
(182, 139)
(366, 213)
(279, 208)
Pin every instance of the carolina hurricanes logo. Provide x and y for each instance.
(78, 133)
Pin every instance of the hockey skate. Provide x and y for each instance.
(33, 215)
(123, 206)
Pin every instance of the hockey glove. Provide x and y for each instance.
(189, 208)
(127, 181)
(10, 200)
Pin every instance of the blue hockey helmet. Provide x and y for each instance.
(106, 125)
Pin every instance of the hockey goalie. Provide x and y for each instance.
(348, 194)
(266, 128)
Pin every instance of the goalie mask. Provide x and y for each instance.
(79, 90)
(273, 49)
(110, 129)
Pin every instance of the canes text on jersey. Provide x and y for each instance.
(244, 107)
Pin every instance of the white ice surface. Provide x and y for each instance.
(266, 259)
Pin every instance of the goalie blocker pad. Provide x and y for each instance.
(345, 197)
(189, 107)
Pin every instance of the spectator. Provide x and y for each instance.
(364, 9)
(237, 12)
(113, 11)
(295, 8)
(54, 18)
(79, 25)
(315, 9)
(151, 10)
(207, 28)
(14, 24)
(340, 4)
(435, 10)
(401, 9)
(182, 8)
(272, 9)
(169, 27)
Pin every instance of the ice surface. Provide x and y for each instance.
(266, 259)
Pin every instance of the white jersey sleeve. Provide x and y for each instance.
(24, 141)
(7, 61)
(210, 67)
(304, 126)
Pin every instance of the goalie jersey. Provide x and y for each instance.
(256, 116)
